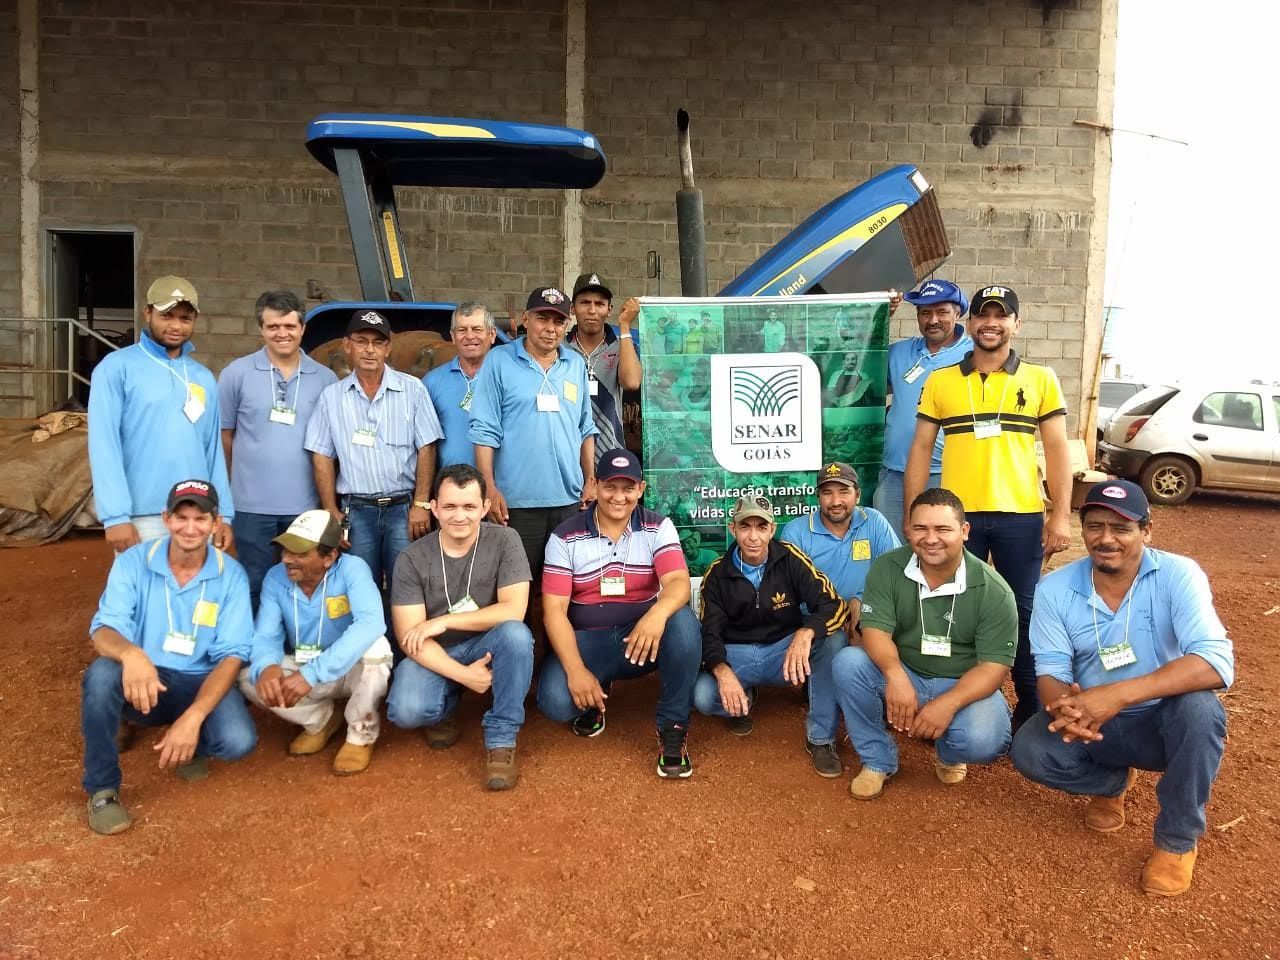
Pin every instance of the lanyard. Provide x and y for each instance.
(626, 558)
(444, 571)
(968, 389)
(168, 607)
(950, 616)
(382, 410)
(271, 379)
(546, 380)
(590, 358)
(177, 376)
(1128, 614)
(324, 595)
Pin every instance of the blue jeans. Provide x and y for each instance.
(422, 698)
(254, 549)
(378, 535)
(603, 652)
(226, 734)
(1012, 540)
(758, 664)
(979, 733)
(888, 497)
(1183, 736)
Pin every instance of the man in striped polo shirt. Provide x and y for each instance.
(616, 606)
(989, 407)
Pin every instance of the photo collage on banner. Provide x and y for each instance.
(752, 396)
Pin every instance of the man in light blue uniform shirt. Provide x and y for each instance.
(533, 429)
(153, 419)
(452, 385)
(372, 440)
(266, 400)
(320, 637)
(1129, 651)
(171, 631)
(842, 538)
(940, 308)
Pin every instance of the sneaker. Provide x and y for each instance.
(107, 814)
(501, 771)
(352, 758)
(305, 744)
(444, 734)
(197, 768)
(589, 724)
(950, 773)
(825, 759)
(1106, 814)
(673, 752)
(741, 726)
(868, 784)
(1168, 874)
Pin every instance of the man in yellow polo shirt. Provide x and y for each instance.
(989, 407)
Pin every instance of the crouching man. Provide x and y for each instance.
(171, 631)
(939, 629)
(1128, 651)
(320, 637)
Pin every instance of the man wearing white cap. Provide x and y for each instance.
(320, 636)
(153, 419)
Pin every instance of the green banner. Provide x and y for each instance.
(752, 396)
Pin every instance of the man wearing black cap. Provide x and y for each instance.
(616, 606)
(613, 365)
(172, 628)
(532, 427)
(1129, 651)
(372, 440)
(988, 408)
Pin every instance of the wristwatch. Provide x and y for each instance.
(422, 504)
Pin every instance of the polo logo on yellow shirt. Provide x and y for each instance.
(338, 606)
(206, 614)
(780, 600)
(862, 549)
(571, 392)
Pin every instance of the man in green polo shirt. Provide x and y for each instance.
(939, 629)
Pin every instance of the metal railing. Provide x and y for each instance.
(40, 352)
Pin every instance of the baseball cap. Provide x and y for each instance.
(311, 529)
(591, 281)
(837, 472)
(937, 291)
(1119, 496)
(995, 293)
(752, 507)
(548, 298)
(198, 492)
(619, 463)
(368, 320)
(169, 291)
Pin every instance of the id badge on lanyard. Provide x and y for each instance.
(465, 605)
(914, 374)
(548, 403)
(194, 407)
(306, 653)
(284, 415)
(986, 429)
(364, 437)
(1118, 655)
(593, 387)
(613, 586)
(183, 644)
(932, 645)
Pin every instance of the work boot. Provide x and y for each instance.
(197, 768)
(950, 773)
(501, 771)
(1168, 874)
(825, 759)
(107, 814)
(1106, 814)
(352, 758)
(305, 744)
(868, 784)
(443, 735)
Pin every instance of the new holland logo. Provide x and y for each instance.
(766, 412)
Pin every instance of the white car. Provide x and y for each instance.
(1172, 439)
(1111, 396)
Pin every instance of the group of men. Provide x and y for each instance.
(343, 478)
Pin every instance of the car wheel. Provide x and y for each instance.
(1168, 480)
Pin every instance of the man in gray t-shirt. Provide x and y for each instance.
(458, 601)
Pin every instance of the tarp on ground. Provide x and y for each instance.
(45, 488)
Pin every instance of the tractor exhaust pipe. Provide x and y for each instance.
(690, 223)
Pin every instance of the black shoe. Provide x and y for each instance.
(825, 759)
(673, 752)
(741, 726)
(589, 724)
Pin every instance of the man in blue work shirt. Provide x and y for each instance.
(372, 440)
(940, 308)
(171, 631)
(452, 385)
(153, 419)
(266, 400)
(1129, 651)
(532, 427)
(320, 638)
(842, 538)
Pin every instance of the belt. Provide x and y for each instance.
(388, 501)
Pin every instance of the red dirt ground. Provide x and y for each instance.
(592, 855)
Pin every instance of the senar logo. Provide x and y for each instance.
(765, 396)
(766, 412)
